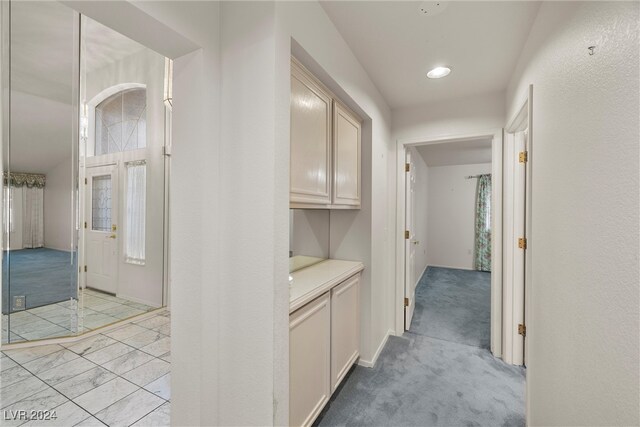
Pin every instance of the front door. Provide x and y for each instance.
(410, 247)
(101, 222)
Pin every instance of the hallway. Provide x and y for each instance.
(441, 371)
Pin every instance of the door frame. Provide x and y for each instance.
(408, 266)
(523, 119)
(496, 136)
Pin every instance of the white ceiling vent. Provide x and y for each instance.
(432, 8)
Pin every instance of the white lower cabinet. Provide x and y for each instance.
(309, 360)
(345, 328)
(324, 342)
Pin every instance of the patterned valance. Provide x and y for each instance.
(19, 179)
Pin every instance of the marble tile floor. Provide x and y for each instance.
(59, 320)
(117, 378)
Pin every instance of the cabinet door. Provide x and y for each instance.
(345, 328)
(310, 140)
(309, 361)
(346, 157)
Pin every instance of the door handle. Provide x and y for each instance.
(113, 236)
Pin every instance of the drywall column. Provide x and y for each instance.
(583, 335)
(253, 330)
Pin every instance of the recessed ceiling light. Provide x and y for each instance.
(439, 72)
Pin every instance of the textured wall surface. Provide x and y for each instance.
(583, 332)
(452, 213)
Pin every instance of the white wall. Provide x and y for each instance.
(309, 232)
(583, 335)
(58, 219)
(475, 114)
(420, 211)
(451, 217)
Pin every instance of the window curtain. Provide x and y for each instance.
(482, 256)
(33, 217)
(136, 212)
(8, 220)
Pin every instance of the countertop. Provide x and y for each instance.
(311, 282)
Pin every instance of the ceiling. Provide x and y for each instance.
(462, 152)
(397, 45)
(42, 48)
(42, 62)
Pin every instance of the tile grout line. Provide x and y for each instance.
(101, 366)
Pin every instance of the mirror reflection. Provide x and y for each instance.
(39, 288)
(308, 237)
(122, 175)
(84, 174)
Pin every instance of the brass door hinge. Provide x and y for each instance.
(523, 156)
(85, 268)
(406, 302)
(85, 181)
(522, 243)
(407, 167)
(406, 234)
(522, 330)
(85, 224)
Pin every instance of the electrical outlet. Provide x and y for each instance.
(19, 302)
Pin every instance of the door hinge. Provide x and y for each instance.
(166, 151)
(522, 330)
(407, 167)
(406, 234)
(85, 224)
(406, 302)
(85, 268)
(85, 181)
(523, 156)
(522, 243)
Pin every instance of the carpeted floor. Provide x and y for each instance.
(43, 275)
(440, 373)
(454, 305)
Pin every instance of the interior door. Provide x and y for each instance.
(410, 243)
(101, 229)
(519, 209)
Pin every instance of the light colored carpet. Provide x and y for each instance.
(426, 378)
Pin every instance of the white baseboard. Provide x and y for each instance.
(420, 276)
(57, 249)
(449, 266)
(371, 363)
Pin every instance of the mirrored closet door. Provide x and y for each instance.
(84, 112)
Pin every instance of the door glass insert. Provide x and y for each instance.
(121, 122)
(101, 203)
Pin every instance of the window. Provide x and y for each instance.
(121, 122)
(8, 220)
(135, 219)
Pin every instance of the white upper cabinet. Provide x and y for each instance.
(346, 157)
(325, 146)
(310, 140)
